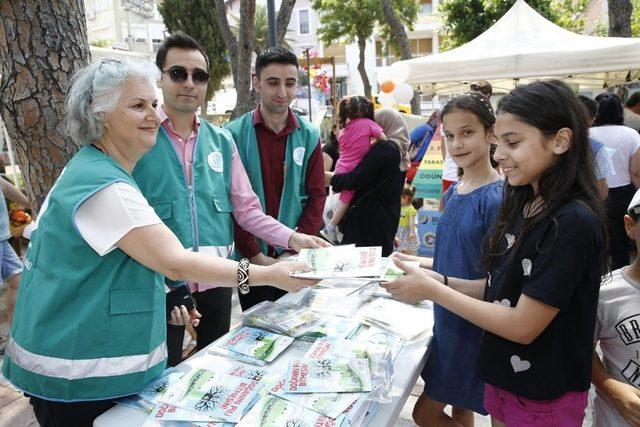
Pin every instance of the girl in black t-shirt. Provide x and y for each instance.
(545, 254)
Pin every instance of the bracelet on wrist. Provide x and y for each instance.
(243, 276)
(446, 280)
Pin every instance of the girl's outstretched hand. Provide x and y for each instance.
(415, 286)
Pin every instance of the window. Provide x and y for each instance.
(426, 7)
(421, 47)
(304, 21)
(337, 51)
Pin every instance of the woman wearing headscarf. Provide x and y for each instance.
(378, 180)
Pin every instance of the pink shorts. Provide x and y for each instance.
(515, 411)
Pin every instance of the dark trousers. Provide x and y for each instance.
(617, 203)
(258, 294)
(62, 414)
(215, 307)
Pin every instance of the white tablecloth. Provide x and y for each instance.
(407, 366)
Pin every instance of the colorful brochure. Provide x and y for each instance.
(328, 376)
(273, 411)
(153, 393)
(286, 319)
(375, 335)
(336, 301)
(329, 404)
(253, 345)
(340, 261)
(389, 271)
(211, 395)
(333, 349)
(331, 327)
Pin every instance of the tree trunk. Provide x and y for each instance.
(240, 51)
(42, 43)
(284, 17)
(244, 101)
(399, 35)
(229, 38)
(362, 43)
(620, 18)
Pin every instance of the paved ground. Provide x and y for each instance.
(15, 410)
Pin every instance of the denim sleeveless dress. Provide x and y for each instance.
(449, 372)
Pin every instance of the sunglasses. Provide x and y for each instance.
(180, 75)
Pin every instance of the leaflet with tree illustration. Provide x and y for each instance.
(329, 404)
(273, 411)
(340, 261)
(253, 345)
(213, 396)
(328, 376)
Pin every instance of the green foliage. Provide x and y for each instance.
(346, 20)
(635, 18)
(260, 30)
(407, 13)
(198, 19)
(101, 43)
(464, 20)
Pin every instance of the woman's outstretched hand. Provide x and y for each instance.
(280, 276)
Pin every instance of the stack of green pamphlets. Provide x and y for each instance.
(328, 376)
(287, 319)
(251, 345)
(273, 411)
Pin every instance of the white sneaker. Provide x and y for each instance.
(329, 235)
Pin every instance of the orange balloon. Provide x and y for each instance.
(387, 86)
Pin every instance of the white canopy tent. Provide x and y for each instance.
(523, 46)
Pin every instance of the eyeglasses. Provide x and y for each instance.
(180, 75)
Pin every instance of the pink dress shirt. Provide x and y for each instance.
(246, 205)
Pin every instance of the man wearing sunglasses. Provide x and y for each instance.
(195, 181)
(281, 153)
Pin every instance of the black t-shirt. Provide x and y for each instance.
(559, 264)
(333, 152)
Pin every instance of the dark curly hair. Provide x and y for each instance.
(354, 107)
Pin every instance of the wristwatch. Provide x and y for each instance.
(243, 276)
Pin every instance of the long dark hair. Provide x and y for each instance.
(610, 110)
(354, 107)
(549, 106)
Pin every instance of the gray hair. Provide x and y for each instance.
(96, 90)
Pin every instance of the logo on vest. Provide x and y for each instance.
(215, 161)
(298, 155)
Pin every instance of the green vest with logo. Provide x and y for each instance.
(200, 213)
(301, 143)
(86, 326)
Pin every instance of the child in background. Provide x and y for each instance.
(470, 208)
(546, 253)
(358, 132)
(406, 234)
(617, 401)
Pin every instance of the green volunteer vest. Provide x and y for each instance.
(86, 327)
(300, 145)
(200, 214)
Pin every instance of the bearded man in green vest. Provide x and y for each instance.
(195, 181)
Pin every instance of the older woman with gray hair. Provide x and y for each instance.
(90, 320)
